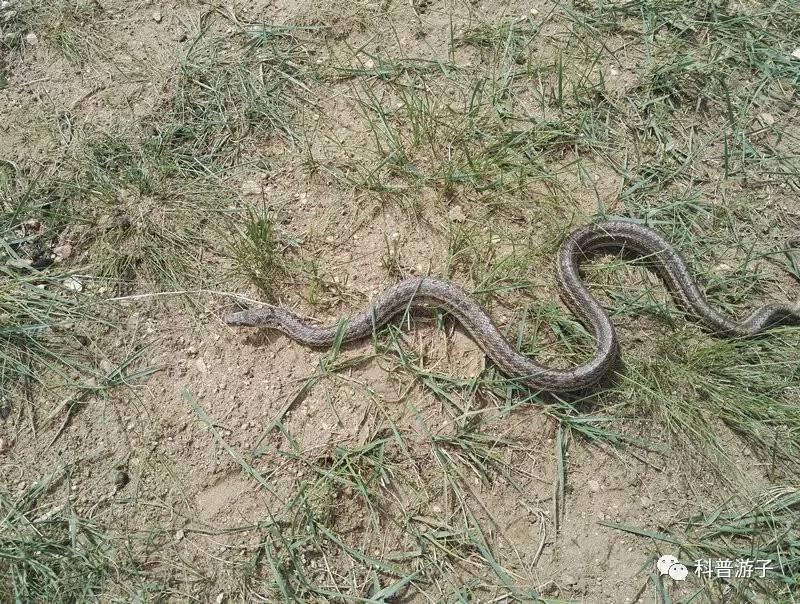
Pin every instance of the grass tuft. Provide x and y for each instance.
(764, 534)
(49, 553)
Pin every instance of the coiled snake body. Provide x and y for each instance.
(606, 237)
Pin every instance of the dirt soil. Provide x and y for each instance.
(147, 455)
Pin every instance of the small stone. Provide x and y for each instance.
(534, 11)
(31, 225)
(220, 598)
(796, 53)
(62, 252)
(614, 71)
(73, 284)
(3, 445)
(646, 502)
(569, 580)
(369, 64)
(593, 485)
(766, 118)
(456, 214)
(251, 188)
(5, 411)
(157, 16)
(179, 535)
(31, 39)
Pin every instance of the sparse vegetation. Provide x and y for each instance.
(763, 536)
(196, 150)
(257, 253)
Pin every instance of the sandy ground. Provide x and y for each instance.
(180, 485)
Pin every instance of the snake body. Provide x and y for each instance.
(582, 244)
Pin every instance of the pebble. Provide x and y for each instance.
(593, 485)
(796, 53)
(62, 252)
(569, 580)
(73, 284)
(179, 535)
(456, 214)
(3, 446)
(31, 39)
(251, 187)
(157, 17)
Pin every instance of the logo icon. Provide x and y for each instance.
(669, 565)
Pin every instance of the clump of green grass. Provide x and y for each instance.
(765, 534)
(231, 91)
(511, 40)
(255, 247)
(70, 27)
(359, 524)
(269, 257)
(37, 334)
(46, 326)
(37, 313)
(67, 27)
(690, 383)
(422, 141)
(49, 553)
(15, 21)
(143, 219)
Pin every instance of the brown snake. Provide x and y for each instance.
(606, 237)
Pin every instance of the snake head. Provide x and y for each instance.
(261, 317)
(237, 318)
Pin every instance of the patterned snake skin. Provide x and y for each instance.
(606, 237)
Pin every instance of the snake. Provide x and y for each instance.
(609, 237)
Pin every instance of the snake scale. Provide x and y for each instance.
(606, 237)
